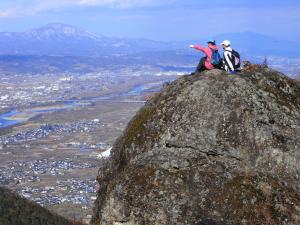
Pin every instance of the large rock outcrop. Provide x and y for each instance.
(212, 149)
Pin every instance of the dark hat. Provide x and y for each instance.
(213, 42)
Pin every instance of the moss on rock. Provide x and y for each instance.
(211, 148)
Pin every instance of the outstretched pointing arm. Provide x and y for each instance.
(200, 48)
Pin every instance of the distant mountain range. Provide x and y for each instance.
(250, 43)
(64, 40)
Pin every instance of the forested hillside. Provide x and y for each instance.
(15, 210)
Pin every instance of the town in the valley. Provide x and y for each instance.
(57, 128)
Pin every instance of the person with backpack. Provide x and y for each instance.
(212, 57)
(231, 58)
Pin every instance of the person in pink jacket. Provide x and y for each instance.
(205, 62)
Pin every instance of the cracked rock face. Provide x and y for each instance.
(210, 149)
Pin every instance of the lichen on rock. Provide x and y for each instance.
(211, 148)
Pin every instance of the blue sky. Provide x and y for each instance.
(158, 19)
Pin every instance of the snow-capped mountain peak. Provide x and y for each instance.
(60, 31)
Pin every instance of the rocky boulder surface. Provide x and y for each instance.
(210, 149)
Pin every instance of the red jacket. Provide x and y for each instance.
(207, 51)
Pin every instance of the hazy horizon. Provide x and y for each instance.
(155, 20)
